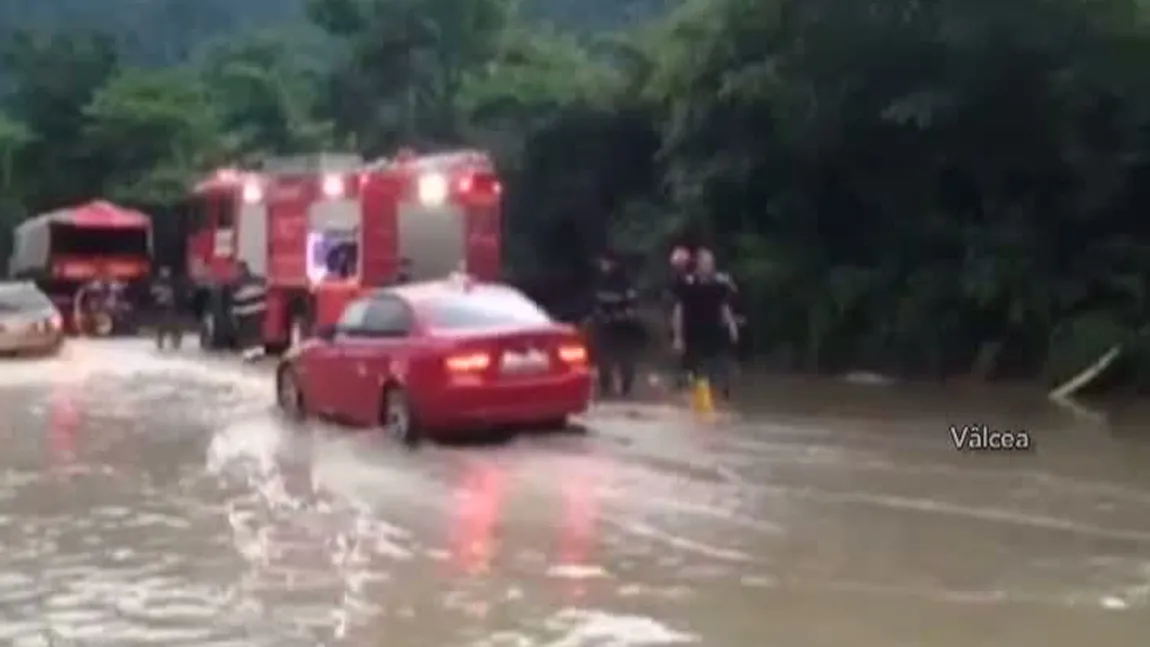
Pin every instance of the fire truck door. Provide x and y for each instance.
(252, 232)
(377, 245)
(286, 235)
(433, 237)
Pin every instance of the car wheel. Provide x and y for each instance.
(397, 418)
(289, 395)
(554, 425)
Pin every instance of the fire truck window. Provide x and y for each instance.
(388, 316)
(68, 240)
(225, 212)
(195, 213)
(342, 259)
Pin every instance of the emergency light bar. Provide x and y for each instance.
(333, 186)
(433, 189)
(253, 193)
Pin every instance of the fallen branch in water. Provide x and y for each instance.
(1076, 383)
(1080, 411)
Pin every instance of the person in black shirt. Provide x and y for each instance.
(615, 327)
(703, 323)
(166, 298)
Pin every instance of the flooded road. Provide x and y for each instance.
(158, 500)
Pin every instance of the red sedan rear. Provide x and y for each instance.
(438, 357)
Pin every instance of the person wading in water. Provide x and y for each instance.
(703, 324)
(615, 327)
(166, 297)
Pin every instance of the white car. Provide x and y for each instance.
(29, 322)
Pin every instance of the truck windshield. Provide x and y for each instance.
(89, 241)
(483, 309)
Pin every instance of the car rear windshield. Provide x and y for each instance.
(22, 298)
(480, 310)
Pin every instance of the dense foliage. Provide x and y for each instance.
(928, 186)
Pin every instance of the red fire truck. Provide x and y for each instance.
(321, 228)
(61, 250)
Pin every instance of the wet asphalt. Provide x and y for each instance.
(150, 499)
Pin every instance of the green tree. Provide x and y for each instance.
(14, 137)
(264, 91)
(156, 129)
(406, 64)
(937, 188)
(52, 77)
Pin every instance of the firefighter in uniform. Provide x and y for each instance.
(249, 302)
(165, 295)
(615, 327)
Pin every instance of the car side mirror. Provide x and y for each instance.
(326, 333)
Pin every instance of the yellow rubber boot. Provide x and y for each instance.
(702, 399)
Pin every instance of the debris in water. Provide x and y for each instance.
(576, 571)
(867, 378)
(1114, 603)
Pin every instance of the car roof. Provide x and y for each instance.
(422, 291)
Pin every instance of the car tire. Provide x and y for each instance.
(554, 425)
(397, 418)
(289, 394)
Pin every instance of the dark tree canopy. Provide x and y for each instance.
(934, 187)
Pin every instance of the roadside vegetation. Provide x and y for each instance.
(923, 187)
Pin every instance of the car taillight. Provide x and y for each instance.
(573, 354)
(468, 363)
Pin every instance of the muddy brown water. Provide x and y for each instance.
(157, 500)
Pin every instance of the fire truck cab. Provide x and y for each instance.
(319, 229)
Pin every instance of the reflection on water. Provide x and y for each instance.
(63, 423)
(477, 501)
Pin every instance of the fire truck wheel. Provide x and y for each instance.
(102, 325)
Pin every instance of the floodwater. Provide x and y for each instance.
(158, 500)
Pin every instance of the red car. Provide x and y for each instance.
(439, 356)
